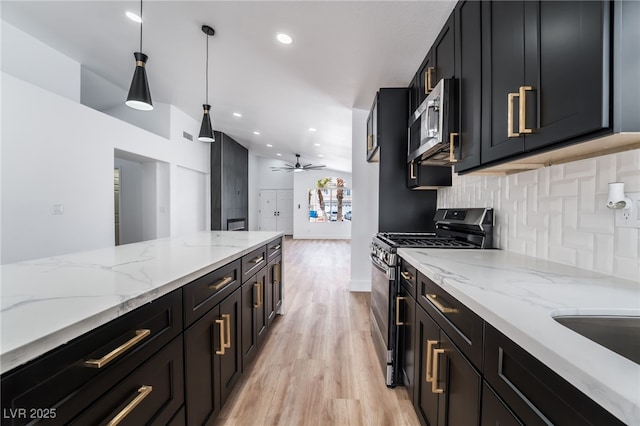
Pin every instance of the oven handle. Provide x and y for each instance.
(389, 272)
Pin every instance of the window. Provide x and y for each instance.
(330, 201)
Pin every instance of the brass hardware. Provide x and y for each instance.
(434, 383)
(407, 276)
(369, 142)
(257, 260)
(221, 283)
(428, 85)
(452, 157)
(398, 299)
(428, 372)
(227, 318)
(222, 343)
(440, 306)
(140, 64)
(143, 392)
(412, 172)
(275, 247)
(258, 286)
(277, 273)
(99, 363)
(522, 125)
(510, 132)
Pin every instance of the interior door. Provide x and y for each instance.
(285, 211)
(267, 219)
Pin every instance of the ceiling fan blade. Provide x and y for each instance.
(306, 165)
(315, 168)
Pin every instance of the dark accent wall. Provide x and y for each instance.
(229, 182)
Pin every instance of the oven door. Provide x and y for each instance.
(383, 328)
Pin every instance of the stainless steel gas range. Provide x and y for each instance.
(455, 229)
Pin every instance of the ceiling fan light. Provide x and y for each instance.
(298, 169)
(206, 131)
(139, 96)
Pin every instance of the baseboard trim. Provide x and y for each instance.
(360, 285)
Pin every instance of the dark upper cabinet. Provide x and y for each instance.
(544, 72)
(468, 72)
(229, 182)
(422, 176)
(373, 154)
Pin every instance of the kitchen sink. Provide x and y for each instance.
(619, 333)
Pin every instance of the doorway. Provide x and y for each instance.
(276, 210)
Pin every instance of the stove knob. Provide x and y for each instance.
(386, 257)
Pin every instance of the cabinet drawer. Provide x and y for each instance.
(462, 325)
(151, 394)
(65, 379)
(274, 249)
(253, 262)
(206, 292)
(408, 277)
(536, 394)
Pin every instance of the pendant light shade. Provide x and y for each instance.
(206, 131)
(139, 95)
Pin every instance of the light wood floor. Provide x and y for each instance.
(318, 365)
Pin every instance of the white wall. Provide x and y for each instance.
(31, 60)
(252, 190)
(191, 186)
(302, 228)
(365, 204)
(558, 213)
(269, 179)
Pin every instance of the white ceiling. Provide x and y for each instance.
(342, 52)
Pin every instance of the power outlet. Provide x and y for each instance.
(629, 218)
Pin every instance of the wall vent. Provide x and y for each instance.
(187, 135)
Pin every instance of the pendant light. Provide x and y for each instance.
(139, 95)
(206, 131)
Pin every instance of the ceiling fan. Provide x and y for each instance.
(297, 167)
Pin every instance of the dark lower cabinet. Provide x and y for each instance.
(273, 289)
(254, 315)
(494, 412)
(213, 360)
(406, 318)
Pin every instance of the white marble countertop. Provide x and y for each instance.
(518, 295)
(47, 302)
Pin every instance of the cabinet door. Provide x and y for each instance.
(502, 75)
(468, 71)
(426, 77)
(443, 52)
(372, 132)
(231, 360)
(406, 315)
(262, 313)
(422, 176)
(427, 338)
(494, 412)
(249, 333)
(202, 369)
(567, 67)
(273, 298)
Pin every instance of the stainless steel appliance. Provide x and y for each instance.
(432, 127)
(455, 229)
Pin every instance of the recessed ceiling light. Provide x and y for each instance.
(284, 38)
(134, 17)
(278, 154)
(269, 145)
(237, 114)
(256, 133)
(320, 155)
(316, 144)
(312, 129)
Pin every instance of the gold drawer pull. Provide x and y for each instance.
(510, 132)
(227, 318)
(428, 372)
(99, 363)
(407, 276)
(143, 392)
(452, 155)
(275, 247)
(522, 125)
(434, 383)
(222, 343)
(277, 273)
(221, 283)
(398, 299)
(258, 287)
(257, 259)
(440, 306)
(369, 142)
(412, 171)
(428, 86)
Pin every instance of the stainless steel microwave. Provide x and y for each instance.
(432, 127)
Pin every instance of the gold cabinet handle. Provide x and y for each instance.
(275, 247)
(221, 283)
(222, 343)
(412, 171)
(407, 276)
(99, 363)
(143, 392)
(258, 287)
(398, 299)
(277, 273)
(434, 383)
(452, 156)
(522, 125)
(510, 132)
(428, 372)
(227, 340)
(257, 260)
(445, 310)
(260, 294)
(428, 85)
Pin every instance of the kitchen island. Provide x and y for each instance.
(519, 296)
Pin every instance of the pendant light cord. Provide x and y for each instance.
(206, 76)
(140, 26)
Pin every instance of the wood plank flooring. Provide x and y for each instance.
(318, 365)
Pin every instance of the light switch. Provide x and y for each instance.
(629, 218)
(57, 209)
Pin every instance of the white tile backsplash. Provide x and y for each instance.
(558, 213)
